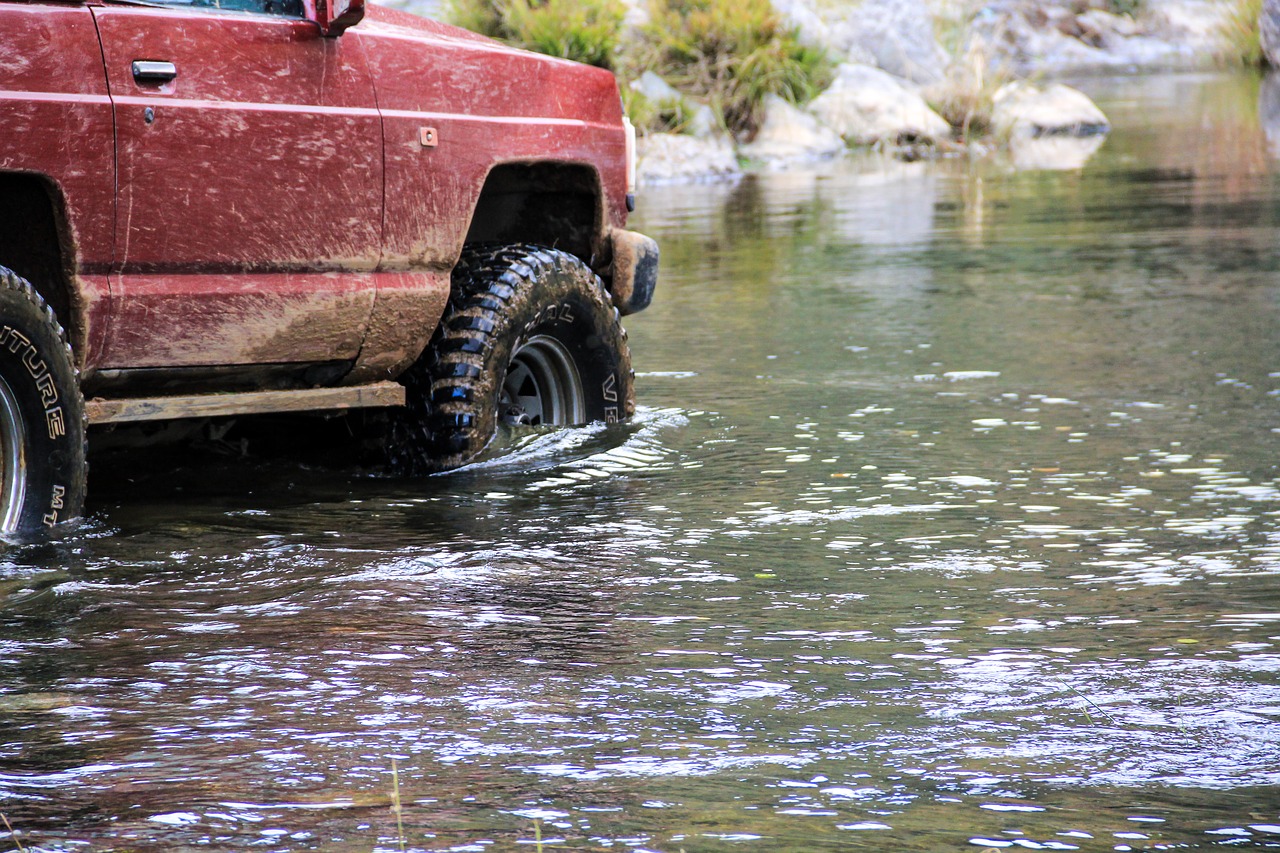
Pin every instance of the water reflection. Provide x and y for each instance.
(950, 521)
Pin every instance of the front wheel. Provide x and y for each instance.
(530, 337)
(42, 426)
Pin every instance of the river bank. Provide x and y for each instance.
(915, 74)
(925, 78)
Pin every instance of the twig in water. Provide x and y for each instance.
(13, 834)
(395, 802)
(537, 835)
(1091, 702)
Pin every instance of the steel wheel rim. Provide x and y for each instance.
(542, 385)
(12, 443)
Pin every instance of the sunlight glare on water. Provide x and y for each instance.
(950, 520)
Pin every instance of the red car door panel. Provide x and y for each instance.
(249, 209)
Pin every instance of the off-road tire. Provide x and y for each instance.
(541, 306)
(42, 419)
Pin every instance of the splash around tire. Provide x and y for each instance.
(529, 337)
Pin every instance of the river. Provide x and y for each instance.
(950, 520)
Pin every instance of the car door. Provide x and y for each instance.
(249, 206)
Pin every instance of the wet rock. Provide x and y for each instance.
(866, 105)
(677, 157)
(790, 135)
(1028, 112)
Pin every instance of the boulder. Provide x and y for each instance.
(898, 34)
(1269, 111)
(1269, 26)
(1026, 111)
(665, 158)
(790, 135)
(866, 105)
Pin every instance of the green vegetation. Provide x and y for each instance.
(582, 30)
(732, 53)
(1242, 36)
(650, 116)
(729, 53)
(1125, 7)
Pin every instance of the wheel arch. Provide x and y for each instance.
(558, 205)
(36, 242)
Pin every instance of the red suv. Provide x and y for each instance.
(229, 207)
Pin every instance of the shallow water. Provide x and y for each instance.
(950, 519)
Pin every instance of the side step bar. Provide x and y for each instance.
(125, 410)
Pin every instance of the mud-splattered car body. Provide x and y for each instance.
(271, 195)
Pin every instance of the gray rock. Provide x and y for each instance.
(1026, 38)
(1269, 111)
(1269, 25)
(899, 35)
(656, 89)
(665, 158)
(866, 105)
(790, 135)
(799, 14)
(1025, 111)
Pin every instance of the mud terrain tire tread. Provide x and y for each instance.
(38, 368)
(500, 296)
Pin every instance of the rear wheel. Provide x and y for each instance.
(530, 337)
(42, 425)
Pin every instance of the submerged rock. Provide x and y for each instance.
(866, 105)
(790, 135)
(1028, 112)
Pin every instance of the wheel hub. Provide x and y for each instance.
(542, 386)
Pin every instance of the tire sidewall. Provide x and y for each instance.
(35, 366)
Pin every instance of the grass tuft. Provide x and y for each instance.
(966, 96)
(586, 31)
(1242, 36)
(732, 54)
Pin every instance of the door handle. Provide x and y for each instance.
(150, 71)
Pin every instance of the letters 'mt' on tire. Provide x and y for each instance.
(42, 424)
(529, 337)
